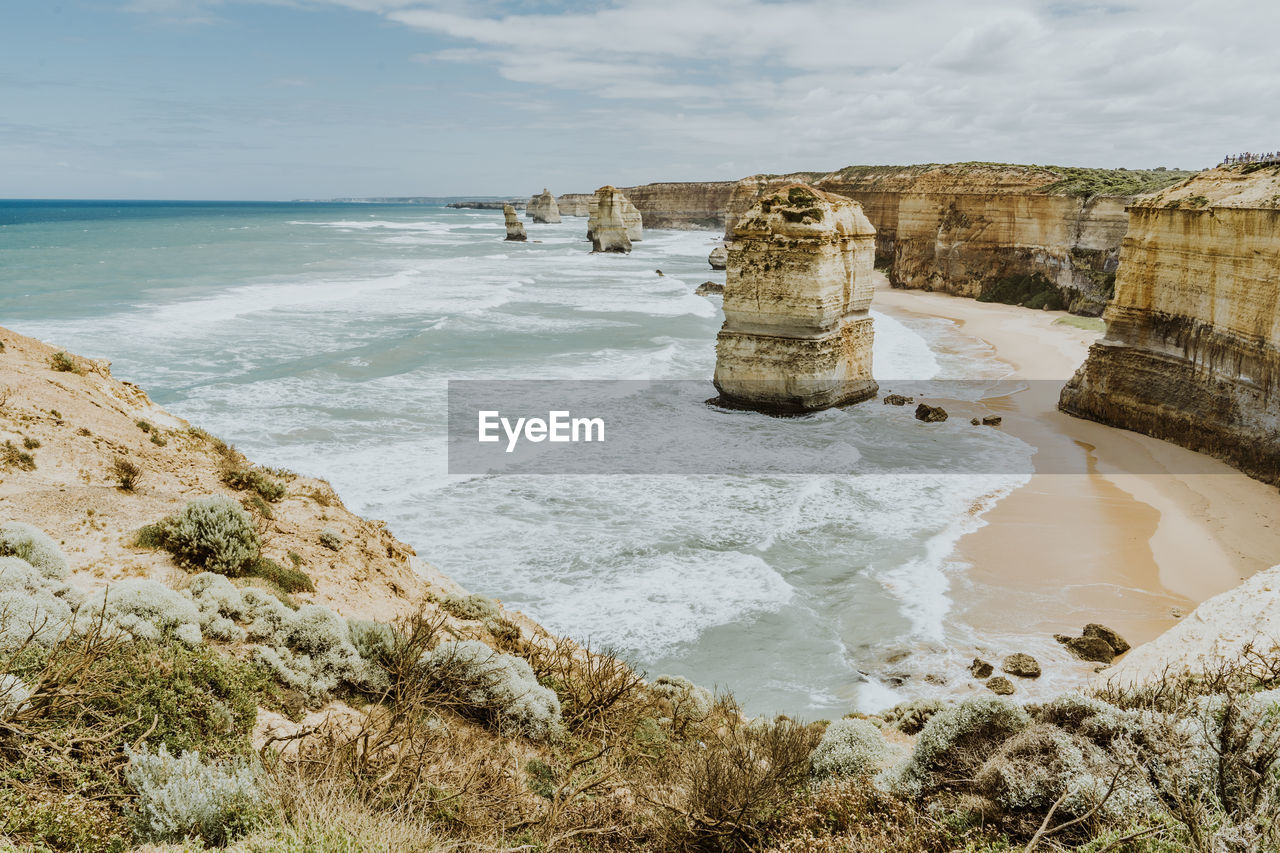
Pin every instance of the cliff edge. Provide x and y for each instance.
(1192, 350)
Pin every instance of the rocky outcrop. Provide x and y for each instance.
(610, 223)
(1192, 349)
(613, 221)
(515, 228)
(683, 206)
(1042, 236)
(542, 208)
(1216, 633)
(574, 204)
(797, 335)
(719, 258)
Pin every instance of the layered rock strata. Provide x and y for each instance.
(1041, 236)
(608, 211)
(609, 227)
(693, 205)
(515, 228)
(1192, 349)
(574, 204)
(542, 208)
(797, 336)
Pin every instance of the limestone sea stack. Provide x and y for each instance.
(1192, 349)
(630, 217)
(614, 224)
(515, 228)
(797, 335)
(719, 258)
(543, 208)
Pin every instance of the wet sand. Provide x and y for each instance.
(1100, 544)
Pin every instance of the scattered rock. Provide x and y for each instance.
(980, 668)
(719, 258)
(897, 400)
(1176, 612)
(1113, 639)
(930, 414)
(709, 287)
(543, 208)
(1021, 665)
(986, 420)
(515, 228)
(932, 678)
(1091, 649)
(1000, 685)
(661, 273)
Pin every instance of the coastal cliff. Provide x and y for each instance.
(1192, 350)
(683, 206)
(574, 204)
(1040, 236)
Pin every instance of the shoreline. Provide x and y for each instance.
(1101, 545)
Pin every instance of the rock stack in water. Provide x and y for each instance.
(626, 214)
(614, 223)
(543, 208)
(797, 335)
(515, 228)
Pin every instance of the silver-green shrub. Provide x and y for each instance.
(952, 742)
(373, 640)
(309, 649)
(850, 748)
(35, 546)
(185, 796)
(1035, 767)
(213, 533)
(686, 701)
(219, 604)
(470, 607)
(14, 694)
(33, 606)
(265, 614)
(502, 687)
(331, 539)
(146, 610)
(910, 717)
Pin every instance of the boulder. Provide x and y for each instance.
(1021, 665)
(797, 334)
(515, 228)
(709, 287)
(897, 400)
(543, 208)
(1000, 686)
(719, 258)
(980, 668)
(930, 414)
(986, 420)
(1102, 632)
(1093, 649)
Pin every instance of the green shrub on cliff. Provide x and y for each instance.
(185, 796)
(34, 546)
(850, 748)
(212, 533)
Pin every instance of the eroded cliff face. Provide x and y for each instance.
(1192, 350)
(797, 335)
(683, 206)
(574, 204)
(1021, 234)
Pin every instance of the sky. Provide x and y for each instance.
(282, 99)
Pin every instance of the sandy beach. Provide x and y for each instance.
(1101, 545)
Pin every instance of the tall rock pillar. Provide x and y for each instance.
(797, 335)
(543, 208)
(515, 228)
(614, 223)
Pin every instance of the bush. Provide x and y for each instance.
(850, 748)
(499, 688)
(683, 701)
(65, 362)
(252, 479)
(33, 608)
(212, 533)
(374, 641)
(288, 579)
(185, 796)
(309, 650)
(954, 743)
(910, 717)
(127, 473)
(1035, 767)
(331, 539)
(147, 610)
(27, 543)
(14, 694)
(474, 608)
(12, 457)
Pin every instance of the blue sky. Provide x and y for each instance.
(322, 98)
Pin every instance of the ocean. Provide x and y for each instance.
(320, 337)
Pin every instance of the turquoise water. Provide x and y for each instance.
(319, 337)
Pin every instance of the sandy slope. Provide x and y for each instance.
(1101, 544)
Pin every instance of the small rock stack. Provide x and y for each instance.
(614, 223)
(515, 228)
(543, 208)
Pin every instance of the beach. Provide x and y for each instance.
(1131, 550)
